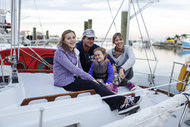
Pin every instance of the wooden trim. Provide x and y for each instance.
(129, 94)
(52, 97)
(159, 90)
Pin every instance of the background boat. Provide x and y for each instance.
(186, 42)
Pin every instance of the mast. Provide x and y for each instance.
(15, 15)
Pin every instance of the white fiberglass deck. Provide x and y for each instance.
(41, 84)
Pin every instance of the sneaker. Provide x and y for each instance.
(127, 108)
(131, 86)
(187, 122)
(134, 100)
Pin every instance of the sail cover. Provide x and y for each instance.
(154, 116)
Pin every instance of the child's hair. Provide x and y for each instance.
(115, 36)
(103, 50)
(61, 42)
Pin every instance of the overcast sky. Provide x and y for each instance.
(164, 18)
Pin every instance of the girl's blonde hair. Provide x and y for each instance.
(61, 42)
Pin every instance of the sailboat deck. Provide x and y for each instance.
(41, 84)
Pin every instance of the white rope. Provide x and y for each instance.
(160, 114)
(105, 97)
(150, 117)
(141, 72)
(155, 116)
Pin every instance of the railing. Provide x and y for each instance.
(72, 94)
(171, 77)
(2, 74)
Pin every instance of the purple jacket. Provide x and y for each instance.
(65, 65)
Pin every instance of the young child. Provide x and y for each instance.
(102, 70)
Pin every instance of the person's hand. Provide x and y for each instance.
(114, 68)
(121, 74)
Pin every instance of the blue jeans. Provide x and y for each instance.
(80, 84)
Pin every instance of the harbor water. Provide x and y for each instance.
(162, 69)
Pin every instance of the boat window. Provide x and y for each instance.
(49, 60)
(43, 66)
(20, 65)
(6, 79)
(73, 125)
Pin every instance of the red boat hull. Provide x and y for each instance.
(30, 58)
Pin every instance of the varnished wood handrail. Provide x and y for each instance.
(52, 97)
(129, 94)
(159, 90)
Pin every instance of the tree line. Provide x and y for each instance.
(178, 37)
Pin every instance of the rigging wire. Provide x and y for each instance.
(141, 90)
(137, 21)
(150, 44)
(152, 72)
(112, 22)
(142, 8)
(141, 37)
(36, 7)
(42, 61)
(146, 31)
(111, 14)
